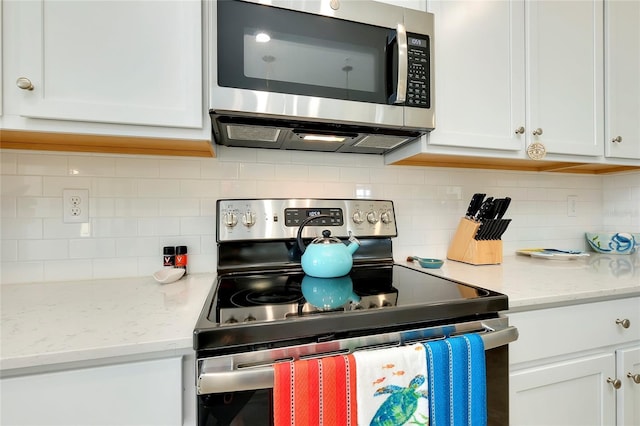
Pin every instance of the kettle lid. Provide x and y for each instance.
(326, 238)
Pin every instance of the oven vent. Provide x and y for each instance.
(381, 141)
(252, 133)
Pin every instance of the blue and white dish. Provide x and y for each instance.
(613, 242)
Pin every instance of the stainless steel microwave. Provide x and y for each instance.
(327, 75)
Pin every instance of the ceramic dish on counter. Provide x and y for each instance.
(168, 275)
(552, 254)
(613, 242)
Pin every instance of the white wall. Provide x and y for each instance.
(138, 204)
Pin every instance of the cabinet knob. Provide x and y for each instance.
(617, 139)
(537, 132)
(24, 83)
(616, 383)
(520, 130)
(625, 323)
(634, 377)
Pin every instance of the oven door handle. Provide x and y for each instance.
(252, 378)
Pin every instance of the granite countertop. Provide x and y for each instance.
(63, 323)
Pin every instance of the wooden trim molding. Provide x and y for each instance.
(72, 142)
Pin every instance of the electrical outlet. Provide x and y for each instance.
(572, 207)
(75, 205)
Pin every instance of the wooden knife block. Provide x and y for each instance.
(464, 248)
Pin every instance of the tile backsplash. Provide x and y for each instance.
(138, 204)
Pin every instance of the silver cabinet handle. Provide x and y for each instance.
(634, 377)
(617, 139)
(520, 130)
(24, 83)
(625, 323)
(616, 383)
(537, 132)
(403, 67)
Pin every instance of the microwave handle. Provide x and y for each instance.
(400, 37)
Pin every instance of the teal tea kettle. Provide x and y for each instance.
(326, 256)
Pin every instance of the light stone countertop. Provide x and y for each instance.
(70, 323)
(74, 322)
(535, 283)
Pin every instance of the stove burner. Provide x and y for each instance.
(269, 296)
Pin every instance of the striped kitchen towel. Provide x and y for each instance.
(457, 381)
(315, 392)
(392, 386)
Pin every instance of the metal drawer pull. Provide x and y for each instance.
(520, 130)
(537, 132)
(616, 383)
(634, 377)
(625, 323)
(217, 375)
(617, 139)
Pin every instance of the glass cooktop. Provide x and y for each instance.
(279, 306)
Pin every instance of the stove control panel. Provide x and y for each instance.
(269, 219)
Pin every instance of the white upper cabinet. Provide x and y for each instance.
(565, 82)
(510, 73)
(126, 62)
(480, 74)
(622, 47)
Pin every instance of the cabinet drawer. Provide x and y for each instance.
(563, 330)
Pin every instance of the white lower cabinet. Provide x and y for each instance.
(576, 365)
(135, 393)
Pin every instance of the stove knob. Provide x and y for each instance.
(230, 219)
(231, 320)
(372, 217)
(357, 217)
(249, 219)
(385, 217)
(250, 318)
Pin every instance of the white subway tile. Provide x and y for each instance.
(67, 270)
(114, 227)
(158, 187)
(202, 225)
(8, 206)
(56, 228)
(169, 207)
(29, 250)
(115, 267)
(139, 167)
(92, 248)
(21, 186)
(39, 207)
(114, 187)
(8, 162)
(89, 165)
(53, 186)
(182, 168)
(259, 171)
(21, 272)
(141, 246)
(136, 207)
(42, 165)
(20, 228)
(8, 250)
(158, 226)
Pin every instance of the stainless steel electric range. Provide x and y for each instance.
(264, 309)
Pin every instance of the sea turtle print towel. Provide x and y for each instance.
(391, 386)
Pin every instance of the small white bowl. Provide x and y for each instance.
(168, 275)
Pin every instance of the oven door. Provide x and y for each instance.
(358, 61)
(237, 389)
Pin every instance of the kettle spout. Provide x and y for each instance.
(354, 244)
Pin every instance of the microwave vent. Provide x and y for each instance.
(252, 133)
(381, 141)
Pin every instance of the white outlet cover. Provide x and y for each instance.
(75, 205)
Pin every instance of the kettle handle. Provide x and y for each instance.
(301, 245)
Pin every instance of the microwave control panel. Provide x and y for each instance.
(418, 90)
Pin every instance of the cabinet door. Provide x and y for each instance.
(139, 393)
(628, 397)
(622, 38)
(130, 62)
(480, 74)
(573, 392)
(565, 86)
